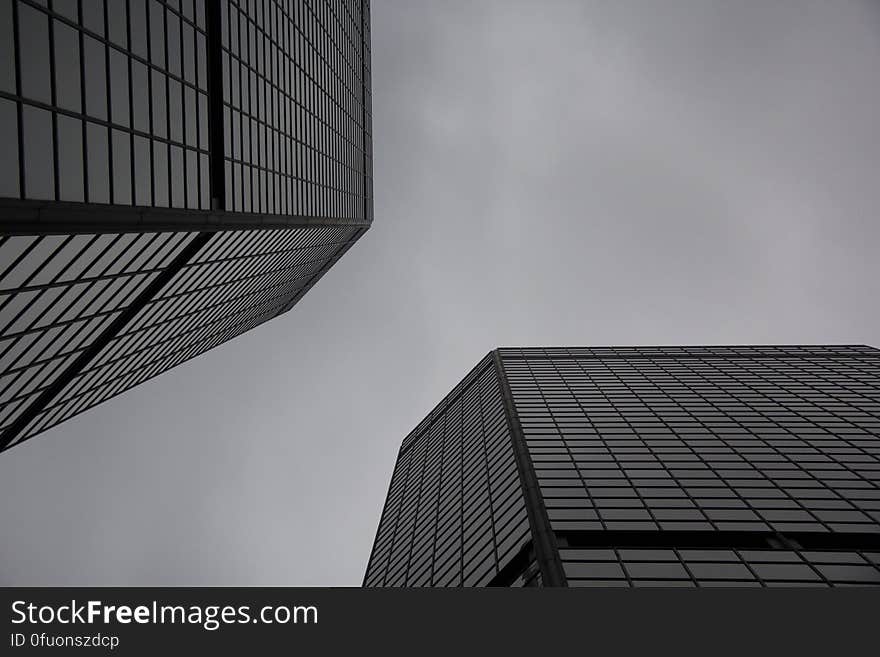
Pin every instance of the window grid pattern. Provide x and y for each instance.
(58, 293)
(454, 515)
(239, 280)
(785, 444)
(106, 102)
(679, 466)
(296, 107)
(678, 442)
(717, 567)
(109, 102)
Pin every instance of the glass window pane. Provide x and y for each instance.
(236, 138)
(142, 172)
(160, 173)
(53, 268)
(204, 186)
(200, 13)
(35, 261)
(9, 159)
(157, 34)
(93, 15)
(140, 96)
(98, 162)
(202, 60)
(69, 8)
(138, 23)
(39, 177)
(191, 115)
(159, 106)
(173, 43)
(192, 180)
(33, 31)
(70, 159)
(177, 179)
(118, 87)
(94, 53)
(117, 21)
(7, 49)
(67, 87)
(121, 167)
(189, 54)
(203, 122)
(175, 110)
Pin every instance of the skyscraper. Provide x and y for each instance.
(643, 466)
(173, 174)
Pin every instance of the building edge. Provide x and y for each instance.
(543, 538)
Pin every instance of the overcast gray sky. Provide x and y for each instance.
(546, 173)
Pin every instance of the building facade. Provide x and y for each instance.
(643, 466)
(174, 173)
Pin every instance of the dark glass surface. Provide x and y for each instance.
(295, 83)
(33, 60)
(67, 67)
(9, 164)
(726, 442)
(239, 280)
(39, 179)
(685, 466)
(98, 149)
(297, 109)
(70, 159)
(454, 514)
(113, 110)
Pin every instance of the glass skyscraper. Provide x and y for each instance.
(173, 174)
(643, 466)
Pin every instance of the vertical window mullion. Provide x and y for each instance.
(128, 59)
(165, 76)
(82, 101)
(111, 196)
(54, 98)
(148, 25)
(22, 183)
